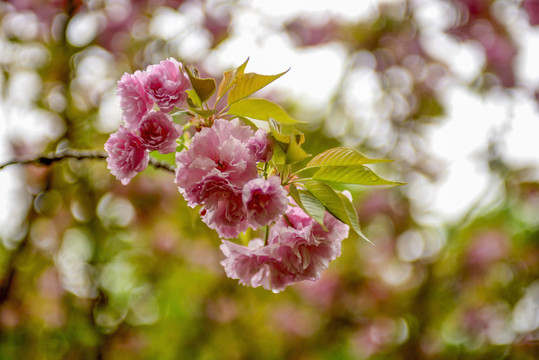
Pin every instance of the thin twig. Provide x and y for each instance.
(79, 155)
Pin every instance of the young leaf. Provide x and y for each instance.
(279, 152)
(334, 204)
(353, 174)
(342, 156)
(294, 151)
(281, 132)
(180, 113)
(247, 122)
(250, 83)
(193, 100)
(240, 70)
(203, 87)
(204, 113)
(308, 203)
(229, 77)
(261, 109)
(352, 215)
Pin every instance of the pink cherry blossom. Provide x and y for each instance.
(245, 263)
(134, 101)
(264, 200)
(166, 84)
(127, 155)
(223, 207)
(260, 145)
(158, 132)
(220, 149)
(304, 247)
(298, 249)
(255, 266)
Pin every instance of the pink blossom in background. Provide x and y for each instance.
(166, 84)
(127, 155)
(532, 9)
(223, 207)
(221, 149)
(134, 101)
(158, 132)
(260, 146)
(264, 200)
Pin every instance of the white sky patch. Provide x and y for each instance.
(522, 147)
(434, 14)
(461, 143)
(14, 201)
(469, 122)
(528, 58)
(314, 72)
(82, 28)
(464, 59)
(465, 185)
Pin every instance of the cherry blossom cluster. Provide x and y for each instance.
(298, 248)
(161, 87)
(225, 169)
(219, 172)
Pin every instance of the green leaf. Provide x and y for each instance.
(335, 205)
(279, 152)
(294, 151)
(249, 83)
(354, 174)
(203, 87)
(342, 156)
(247, 122)
(352, 216)
(193, 100)
(168, 158)
(261, 109)
(180, 113)
(229, 78)
(280, 132)
(308, 203)
(240, 70)
(204, 113)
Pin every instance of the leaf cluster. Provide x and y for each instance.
(311, 185)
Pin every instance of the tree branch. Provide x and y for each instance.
(79, 155)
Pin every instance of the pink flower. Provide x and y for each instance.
(264, 200)
(221, 149)
(223, 208)
(298, 249)
(134, 101)
(255, 266)
(166, 84)
(127, 155)
(304, 247)
(260, 146)
(158, 132)
(245, 263)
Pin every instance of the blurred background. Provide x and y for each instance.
(91, 269)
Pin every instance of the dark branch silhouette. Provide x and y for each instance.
(79, 155)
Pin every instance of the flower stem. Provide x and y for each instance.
(266, 236)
